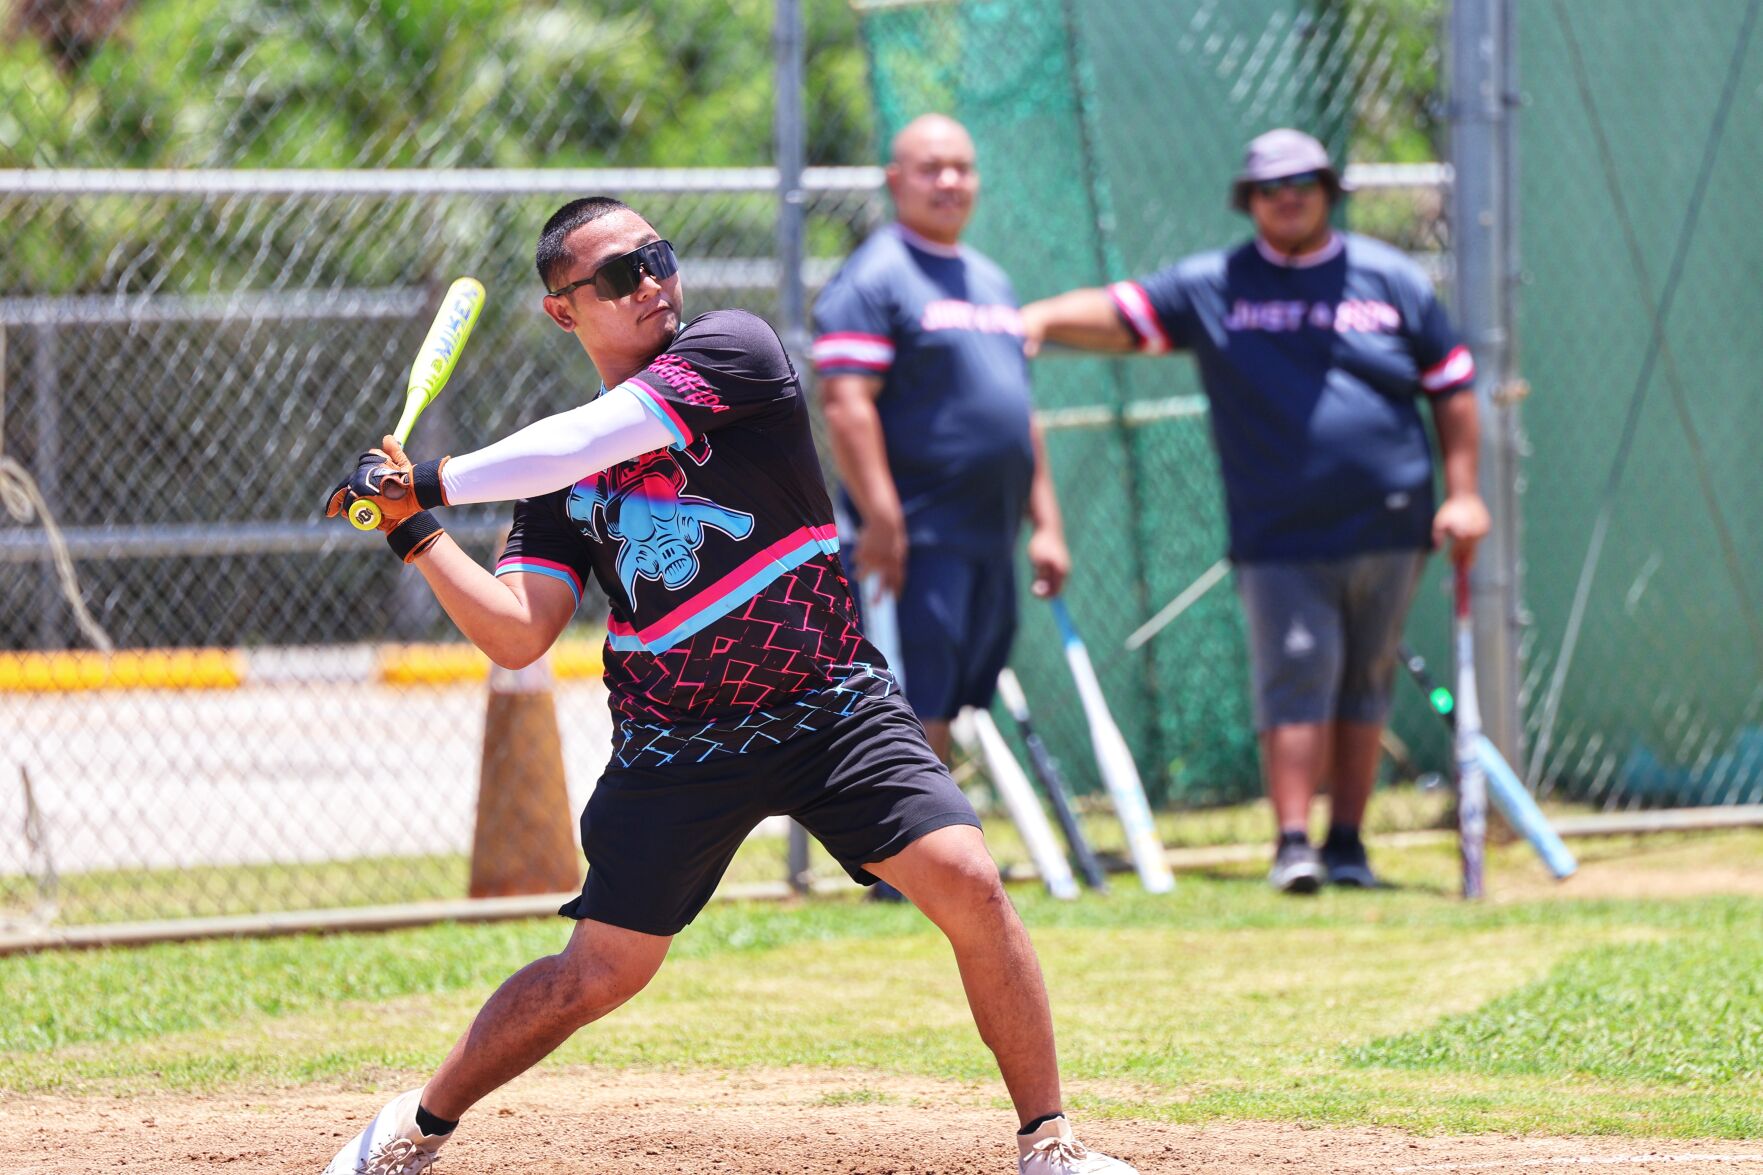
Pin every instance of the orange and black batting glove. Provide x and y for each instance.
(402, 491)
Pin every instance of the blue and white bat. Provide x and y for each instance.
(1506, 789)
(1114, 761)
(1472, 780)
(980, 737)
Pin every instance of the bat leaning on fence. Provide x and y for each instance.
(1503, 785)
(429, 373)
(1047, 771)
(978, 734)
(1472, 783)
(1114, 761)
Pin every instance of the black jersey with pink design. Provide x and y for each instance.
(730, 619)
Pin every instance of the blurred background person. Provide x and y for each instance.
(1315, 348)
(919, 354)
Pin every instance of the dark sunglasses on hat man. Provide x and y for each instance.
(1284, 158)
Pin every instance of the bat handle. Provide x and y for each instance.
(364, 515)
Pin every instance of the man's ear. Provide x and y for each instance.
(557, 309)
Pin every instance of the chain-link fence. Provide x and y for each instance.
(1107, 135)
(228, 225)
(1637, 339)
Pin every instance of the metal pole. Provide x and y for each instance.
(1481, 206)
(789, 144)
(46, 462)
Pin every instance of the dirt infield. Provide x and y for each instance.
(772, 1123)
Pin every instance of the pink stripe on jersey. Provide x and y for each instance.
(1452, 371)
(664, 408)
(1135, 305)
(529, 565)
(717, 592)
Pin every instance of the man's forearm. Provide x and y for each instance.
(1083, 318)
(557, 451)
(1043, 498)
(861, 454)
(486, 609)
(1458, 423)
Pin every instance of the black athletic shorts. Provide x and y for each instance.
(658, 840)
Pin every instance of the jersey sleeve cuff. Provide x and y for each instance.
(528, 565)
(661, 410)
(1453, 373)
(852, 353)
(1135, 310)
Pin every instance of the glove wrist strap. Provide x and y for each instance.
(425, 479)
(414, 535)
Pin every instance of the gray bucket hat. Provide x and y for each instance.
(1280, 153)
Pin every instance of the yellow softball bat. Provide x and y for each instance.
(434, 363)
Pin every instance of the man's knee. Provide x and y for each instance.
(599, 971)
(956, 875)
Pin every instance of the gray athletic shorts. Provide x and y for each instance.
(1323, 635)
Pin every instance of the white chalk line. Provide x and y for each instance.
(1585, 1161)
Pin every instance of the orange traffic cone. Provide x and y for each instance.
(524, 843)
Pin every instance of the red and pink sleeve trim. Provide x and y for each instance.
(1136, 311)
(1453, 371)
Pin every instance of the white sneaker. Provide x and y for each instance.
(1053, 1150)
(391, 1144)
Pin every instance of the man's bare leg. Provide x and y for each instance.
(936, 733)
(1293, 758)
(541, 1006)
(949, 875)
(1357, 749)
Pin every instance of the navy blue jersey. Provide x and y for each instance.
(730, 620)
(1314, 372)
(940, 326)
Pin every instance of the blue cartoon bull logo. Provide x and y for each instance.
(659, 529)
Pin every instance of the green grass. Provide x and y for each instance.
(1224, 1001)
(146, 895)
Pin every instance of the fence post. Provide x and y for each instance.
(788, 141)
(1483, 241)
(46, 420)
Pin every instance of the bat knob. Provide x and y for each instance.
(364, 515)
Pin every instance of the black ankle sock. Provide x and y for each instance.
(1040, 1122)
(1342, 836)
(431, 1125)
(1293, 837)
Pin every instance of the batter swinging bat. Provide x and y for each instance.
(1047, 771)
(1114, 761)
(434, 363)
(1508, 793)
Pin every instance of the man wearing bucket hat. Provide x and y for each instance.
(1315, 348)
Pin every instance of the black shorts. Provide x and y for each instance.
(957, 617)
(658, 840)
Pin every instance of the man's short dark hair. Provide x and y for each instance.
(552, 257)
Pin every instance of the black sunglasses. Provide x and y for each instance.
(1303, 182)
(622, 275)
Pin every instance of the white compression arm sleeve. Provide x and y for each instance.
(557, 451)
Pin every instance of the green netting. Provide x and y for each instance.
(1107, 131)
(1639, 179)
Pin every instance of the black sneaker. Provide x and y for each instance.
(1346, 864)
(1296, 869)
